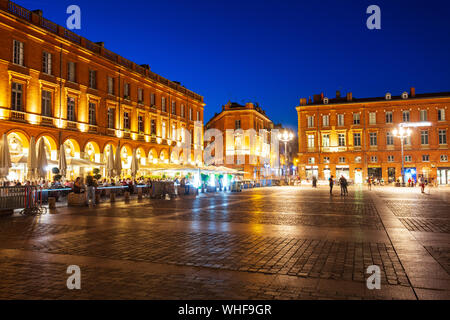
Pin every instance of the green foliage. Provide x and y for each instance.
(55, 170)
(57, 177)
(96, 171)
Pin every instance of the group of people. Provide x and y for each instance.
(343, 183)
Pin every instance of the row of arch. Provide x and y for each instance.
(19, 142)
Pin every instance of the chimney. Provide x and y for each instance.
(101, 44)
(309, 100)
(413, 92)
(38, 12)
(145, 66)
(338, 94)
(303, 101)
(349, 96)
(317, 98)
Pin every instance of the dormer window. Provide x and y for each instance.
(388, 96)
(325, 100)
(405, 95)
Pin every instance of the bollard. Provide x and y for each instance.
(112, 196)
(51, 202)
(127, 196)
(140, 193)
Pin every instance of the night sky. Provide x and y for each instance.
(274, 52)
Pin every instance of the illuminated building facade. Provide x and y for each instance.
(243, 150)
(65, 89)
(354, 137)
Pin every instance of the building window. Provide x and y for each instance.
(174, 132)
(423, 115)
(111, 113)
(16, 96)
(111, 85)
(46, 107)
(140, 95)
(126, 120)
(47, 63)
(182, 111)
(389, 139)
(310, 121)
(405, 116)
(342, 159)
(310, 141)
(326, 120)
(326, 140)
(408, 158)
(163, 130)
(326, 159)
(441, 114)
(237, 124)
(424, 137)
(358, 159)
(407, 141)
(152, 99)
(141, 124)
(389, 117)
(126, 91)
(71, 71)
(153, 127)
(71, 109)
(18, 53)
(341, 140)
(357, 139)
(373, 138)
(442, 136)
(444, 158)
(174, 107)
(425, 158)
(163, 104)
(92, 107)
(372, 118)
(311, 160)
(92, 79)
(356, 118)
(190, 115)
(390, 158)
(198, 115)
(340, 118)
(373, 159)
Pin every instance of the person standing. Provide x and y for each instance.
(90, 183)
(314, 182)
(343, 184)
(369, 183)
(330, 180)
(422, 184)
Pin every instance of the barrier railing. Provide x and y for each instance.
(28, 198)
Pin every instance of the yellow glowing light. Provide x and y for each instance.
(134, 136)
(83, 127)
(147, 138)
(3, 114)
(155, 161)
(159, 140)
(33, 119)
(118, 134)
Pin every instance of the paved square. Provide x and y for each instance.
(267, 243)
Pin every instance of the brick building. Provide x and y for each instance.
(353, 137)
(237, 147)
(65, 89)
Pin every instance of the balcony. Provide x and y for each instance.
(126, 134)
(110, 132)
(93, 129)
(47, 121)
(17, 116)
(71, 125)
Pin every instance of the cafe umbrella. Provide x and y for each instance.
(5, 158)
(31, 160)
(134, 164)
(110, 163)
(62, 162)
(42, 162)
(118, 162)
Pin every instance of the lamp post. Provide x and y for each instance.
(402, 134)
(285, 137)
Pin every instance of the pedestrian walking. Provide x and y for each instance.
(422, 184)
(314, 182)
(330, 180)
(91, 185)
(369, 183)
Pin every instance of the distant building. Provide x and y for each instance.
(237, 147)
(353, 137)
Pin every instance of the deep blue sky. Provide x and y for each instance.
(274, 52)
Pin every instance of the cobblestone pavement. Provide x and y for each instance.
(268, 243)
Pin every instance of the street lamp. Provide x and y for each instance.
(285, 137)
(402, 133)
